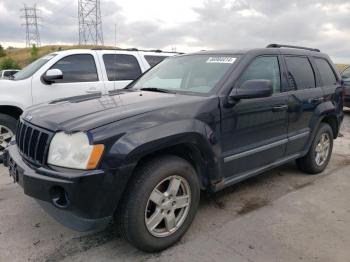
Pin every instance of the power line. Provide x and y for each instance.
(90, 22)
(31, 19)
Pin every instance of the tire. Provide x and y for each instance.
(8, 126)
(136, 206)
(309, 162)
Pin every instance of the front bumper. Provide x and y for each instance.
(79, 200)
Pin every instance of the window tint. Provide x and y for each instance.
(327, 74)
(77, 68)
(265, 67)
(300, 72)
(121, 67)
(154, 59)
(346, 73)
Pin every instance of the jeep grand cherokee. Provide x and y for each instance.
(195, 122)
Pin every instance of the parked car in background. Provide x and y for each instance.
(346, 80)
(70, 73)
(195, 122)
(8, 73)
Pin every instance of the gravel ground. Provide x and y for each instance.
(282, 215)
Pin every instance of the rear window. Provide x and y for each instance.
(121, 67)
(327, 75)
(153, 60)
(300, 72)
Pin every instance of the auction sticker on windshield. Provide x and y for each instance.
(221, 60)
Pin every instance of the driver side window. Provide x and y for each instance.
(77, 68)
(264, 67)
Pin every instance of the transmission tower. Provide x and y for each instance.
(90, 22)
(31, 23)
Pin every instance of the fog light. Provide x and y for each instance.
(59, 197)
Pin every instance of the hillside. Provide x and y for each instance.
(23, 57)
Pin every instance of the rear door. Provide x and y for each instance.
(307, 95)
(254, 131)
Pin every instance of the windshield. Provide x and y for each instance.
(29, 70)
(190, 73)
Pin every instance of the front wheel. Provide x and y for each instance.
(7, 131)
(316, 160)
(160, 204)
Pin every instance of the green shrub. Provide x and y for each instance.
(8, 63)
(34, 52)
(2, 51)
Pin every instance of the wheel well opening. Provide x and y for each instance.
(13, 111)
(332, 121)
(187, 152)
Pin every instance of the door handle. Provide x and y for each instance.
(92, 91)
(279, 108)
(316, 100)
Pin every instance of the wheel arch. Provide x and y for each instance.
(13, 111)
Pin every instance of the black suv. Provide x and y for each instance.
(194, 122)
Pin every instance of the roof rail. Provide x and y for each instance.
(293, 46)
(134, 49)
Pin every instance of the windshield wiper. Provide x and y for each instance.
(156, 89)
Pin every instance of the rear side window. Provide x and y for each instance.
(121, 67)
(77, 68)
(327, 74)
(300, 73)
(264, 67)
(153, 60)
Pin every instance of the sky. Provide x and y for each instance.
(193, 25)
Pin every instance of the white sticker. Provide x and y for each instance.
(221, 60)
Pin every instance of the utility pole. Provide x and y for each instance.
(31, 19)
(90, 22)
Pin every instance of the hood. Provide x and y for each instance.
(87, 112)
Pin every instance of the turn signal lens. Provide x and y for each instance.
(95, 156)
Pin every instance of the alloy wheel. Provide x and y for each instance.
(322, 149)
(168, 206)
(5, 138)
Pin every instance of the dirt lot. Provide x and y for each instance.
(282, 215)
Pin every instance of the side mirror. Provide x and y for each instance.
(252, 89)
(51, 75)
(345, 78)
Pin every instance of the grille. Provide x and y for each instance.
(33, 142)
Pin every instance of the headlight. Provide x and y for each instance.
(74, 151)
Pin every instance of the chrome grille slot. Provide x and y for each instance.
(33, 142)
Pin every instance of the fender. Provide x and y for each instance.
(130, 148)
(323, 110)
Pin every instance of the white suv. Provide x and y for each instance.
(69, 73)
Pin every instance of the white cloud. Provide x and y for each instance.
(195, 25)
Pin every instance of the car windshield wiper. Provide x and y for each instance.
(156, 89)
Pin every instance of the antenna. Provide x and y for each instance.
(90, 22)
(31, 22)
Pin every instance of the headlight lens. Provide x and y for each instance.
(74, 151)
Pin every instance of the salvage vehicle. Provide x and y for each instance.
(69, 73)
(201, 121)
(346, 80)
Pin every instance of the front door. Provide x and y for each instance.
(80, 77)
(254, 131)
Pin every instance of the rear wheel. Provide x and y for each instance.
(160, 204)
(319, 153)
(7, 130)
